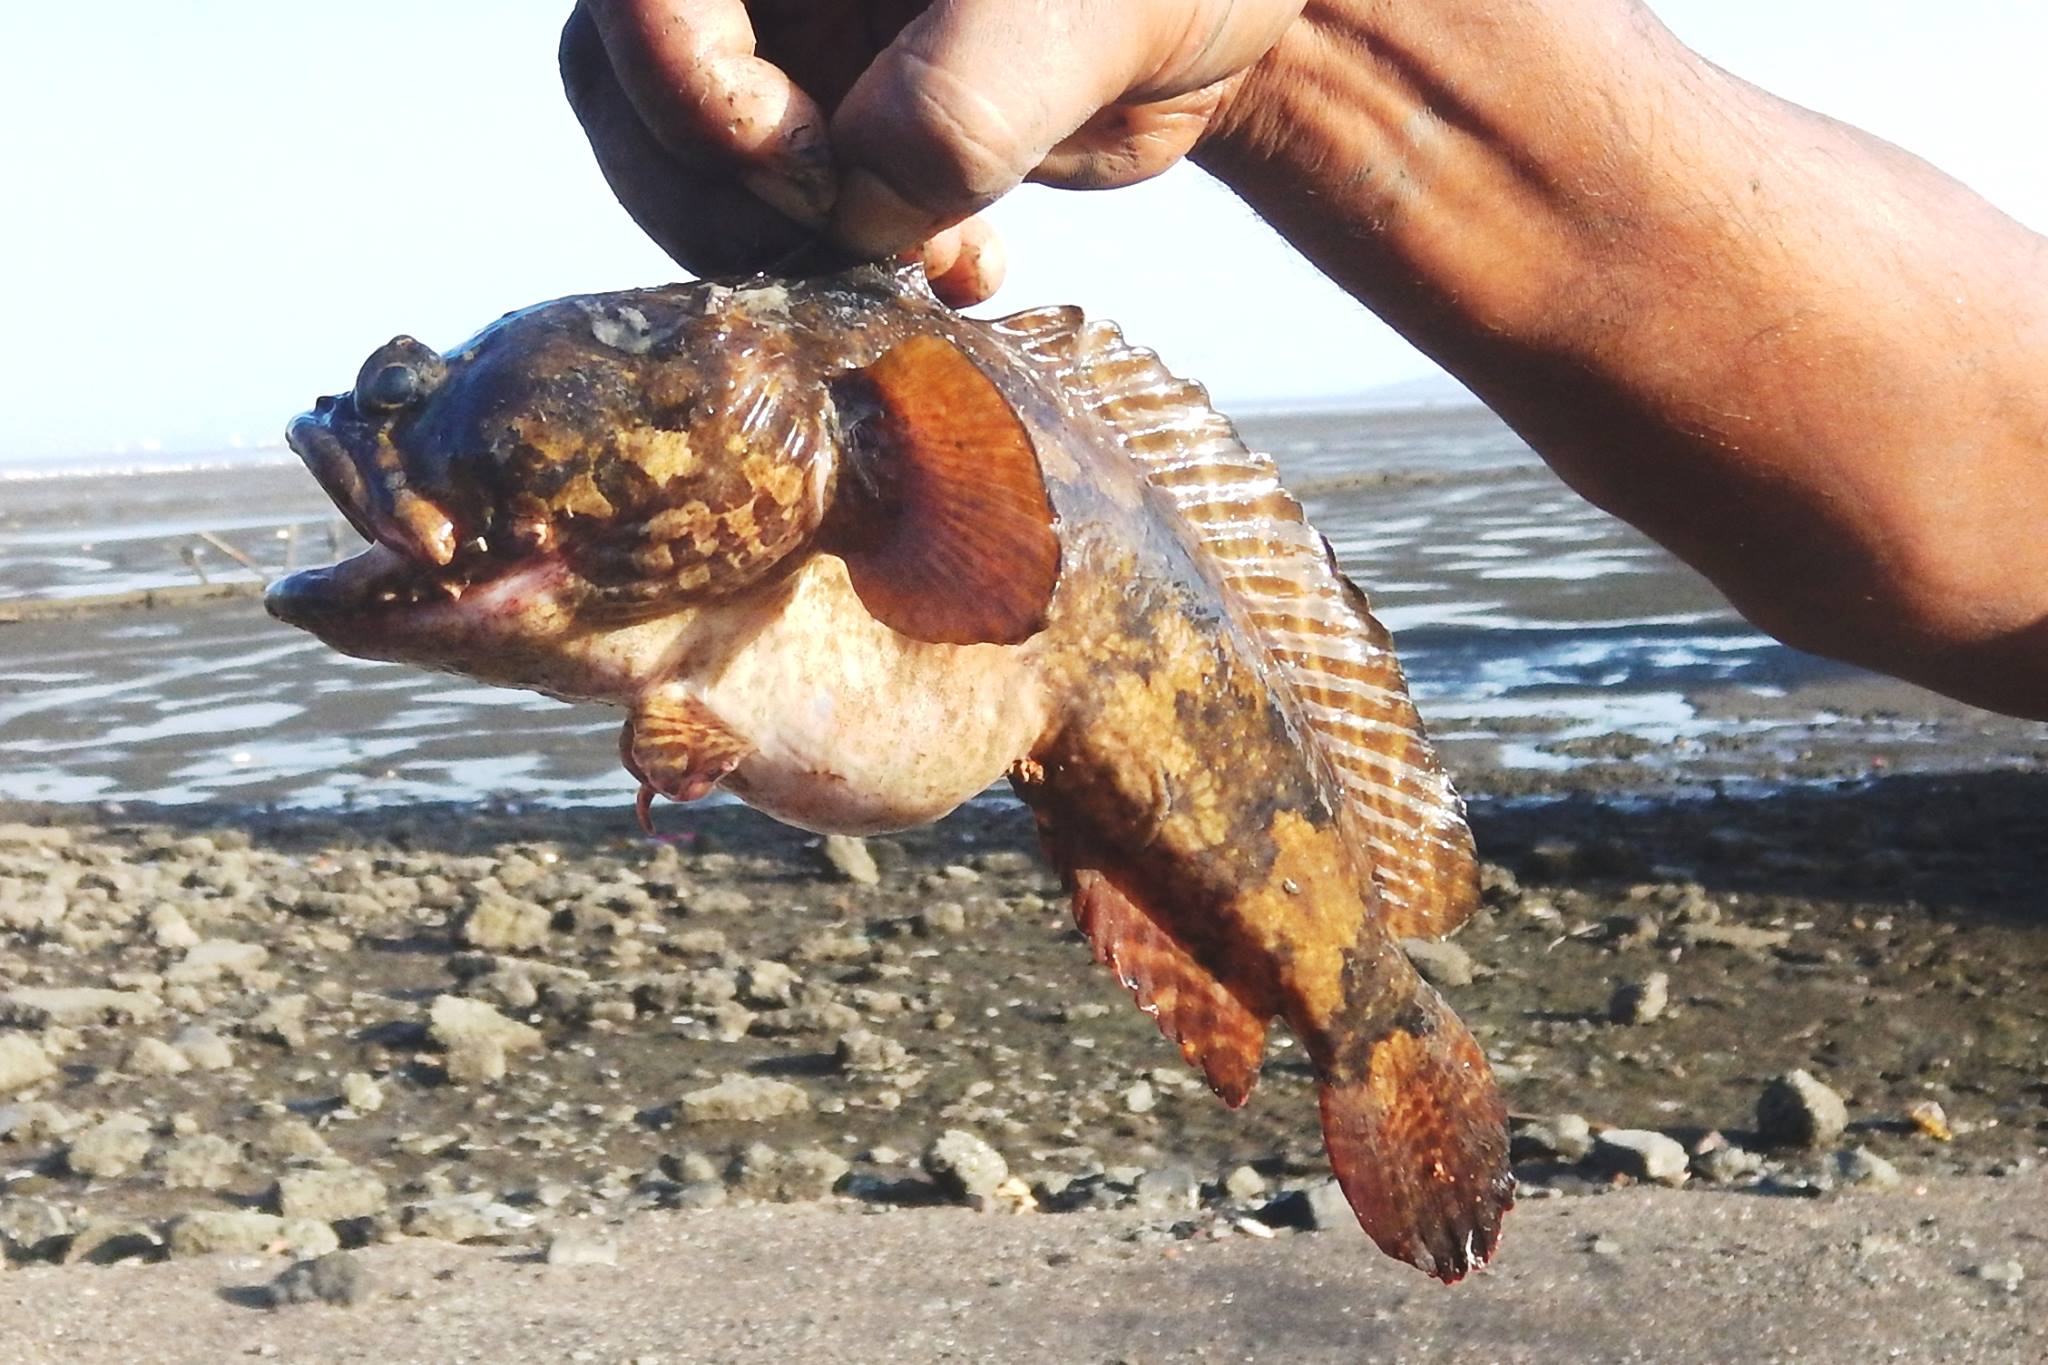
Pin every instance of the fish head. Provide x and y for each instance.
(594, 461)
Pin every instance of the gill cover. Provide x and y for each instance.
(942, 515)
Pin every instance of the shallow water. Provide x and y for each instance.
(1545, 641)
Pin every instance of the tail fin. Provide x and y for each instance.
(1417, 1135)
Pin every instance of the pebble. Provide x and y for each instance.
(111, 1148)
(1796, 1110)
(965, 1166)
(941, 920)
(850, 858)
(361, 1093)
(1724, 1163)
(477, 1217)
(741, 1098)
(1562, 1137)
(2007, 1275)
(477, 1038)
(337, 1278)
(23, 1063)
(211, 959)
(1443, 964)
(33, 1226)
(861, 1051)
(69, 1006)
(497, 923)
(204, 1048)
(1141, 1098)
(1640, 1002)
(566, 1250)
(1317, 1208)
(208, 1232)
(1244, 1184)
(1861, 1166)
(168, 928)
(803, 1176)
(281, 1020)
(200, 1162)
(1172, 1189)
(1641, 1154)
(768, 985)
(154, 1057)
(329, 1194)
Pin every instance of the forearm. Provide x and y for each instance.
(1812, 365)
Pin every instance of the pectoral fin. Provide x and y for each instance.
(942, 515)
(678, 748)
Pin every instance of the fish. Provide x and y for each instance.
(852, 557)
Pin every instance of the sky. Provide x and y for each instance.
(215, 210)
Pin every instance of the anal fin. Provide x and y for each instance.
(1417, 1136)
(677, 747)
(1218, 1032)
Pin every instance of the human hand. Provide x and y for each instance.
(737, 131)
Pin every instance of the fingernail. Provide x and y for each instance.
(874, 221)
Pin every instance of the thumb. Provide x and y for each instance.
(970, 98)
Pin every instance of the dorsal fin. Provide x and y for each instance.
(1315, 624)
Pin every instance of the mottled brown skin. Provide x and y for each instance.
(564, 500)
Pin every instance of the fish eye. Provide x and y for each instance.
(394, 386)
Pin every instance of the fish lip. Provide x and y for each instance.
(320, 599)
(312, 438)
(378, 503)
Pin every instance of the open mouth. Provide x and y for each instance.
(416, 556)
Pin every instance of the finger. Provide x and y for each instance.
(690, 71)
(968, 99)
(977, 266)
(1125, 144)
(705, 219)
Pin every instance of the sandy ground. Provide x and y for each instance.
(1938, 1273)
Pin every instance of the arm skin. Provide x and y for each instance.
(1810, 364)
(1807, 362)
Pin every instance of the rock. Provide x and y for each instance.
(361, 1093)
(23, 1063)
(1798, 1111)
(2007, 1275)
(36, 1121)
(1641, 1154)
(70, 1006)
(1443, 964)
(1739, 936)
(568, 1250)
(111, 1148)
(329, 1194)
(154, 1057)
(108, 1241)
(1724, 1164)
(802, 1176)
(1925, 1115)
(168, 928)
(1861, 1166)
(849, 857)
(35, 1227)
(1172, 1189)
(282, 1020)
(464, 1218)
(1318, 1208)
(1562, 1137)
(1141, 1098)
(204, 1048)
(1640, 1002)
(290, 1138)
(478, 1039)
(718, 900)
(498, 924)
(768, 985)
(942, 920)
(200, 1162)
(860, 1051)
(210, 959)
(337, 1278)
(740, 1098)
(209, 1232)
(1244, 1184)
(964, 1166)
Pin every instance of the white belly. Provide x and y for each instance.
(856, 729)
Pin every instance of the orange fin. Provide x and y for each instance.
(677, 748)
(942, 516)
(1218, 1033)
(1417, 1135)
